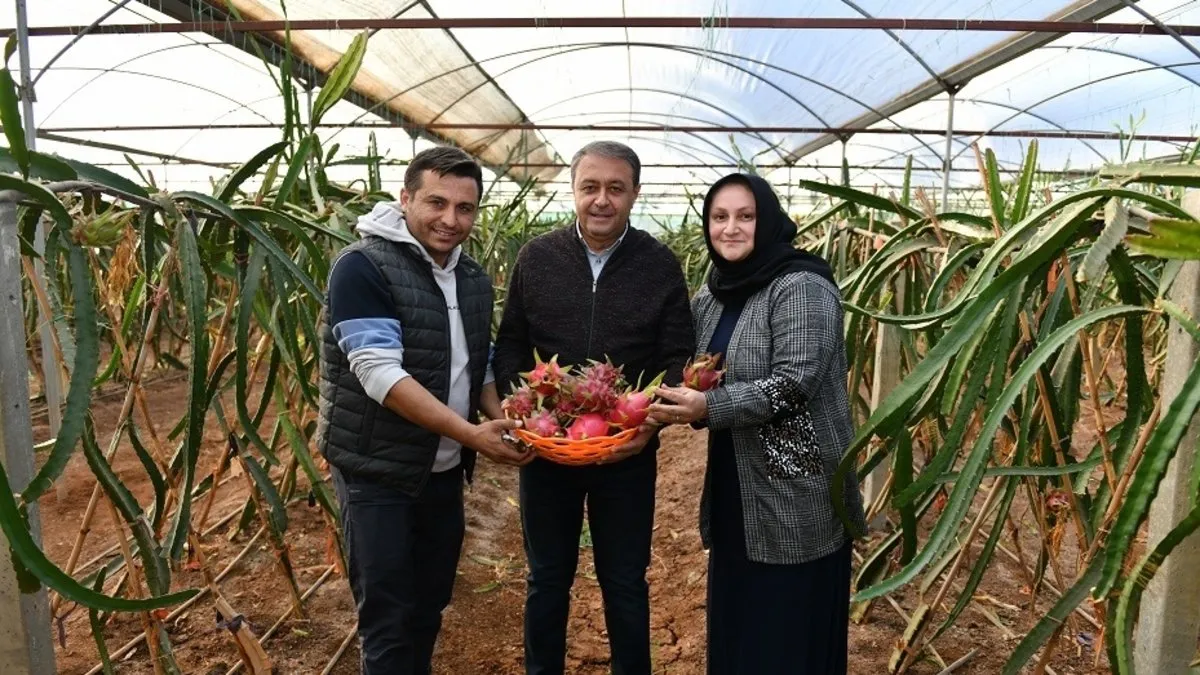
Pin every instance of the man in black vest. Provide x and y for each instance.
(597, 288)
(405, 369)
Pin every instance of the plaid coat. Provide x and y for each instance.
(784, 397)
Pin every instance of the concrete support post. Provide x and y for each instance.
(25, 638)
(51, 367)
(885, 378)
(1169, 621)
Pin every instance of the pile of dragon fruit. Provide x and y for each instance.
(592, 401)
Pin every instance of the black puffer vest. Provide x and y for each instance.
(359, 436)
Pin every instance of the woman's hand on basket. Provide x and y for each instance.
(682, 406)
(632, 446)
(493, 440)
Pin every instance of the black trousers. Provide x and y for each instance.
(620, 507)
(403, 555)
(766, 619)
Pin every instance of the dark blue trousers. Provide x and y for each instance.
(403, 555)
(620, 508)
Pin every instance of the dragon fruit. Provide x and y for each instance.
(564, 407)
(606, 372)
(702, 372)
(588, 425)
(520, 404)
(590, 393)
(544, 424)
(631, 408)
(547, 376)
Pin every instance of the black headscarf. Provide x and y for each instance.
(774, 253)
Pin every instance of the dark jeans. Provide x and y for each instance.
(620, 506)
(403, 556)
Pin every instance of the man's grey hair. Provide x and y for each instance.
(611, 150)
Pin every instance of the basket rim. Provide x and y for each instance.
(529, 436)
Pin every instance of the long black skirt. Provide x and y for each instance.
(770, 619)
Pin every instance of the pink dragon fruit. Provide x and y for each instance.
(606, 372)
(631, 408)
(544, 424)
(546, 377)
(702, 373)
(564, 407)
(588, 425)
(520, 403)
(591, 394)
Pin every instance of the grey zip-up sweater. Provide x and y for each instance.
(637, 313)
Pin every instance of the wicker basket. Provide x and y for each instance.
(576, 453)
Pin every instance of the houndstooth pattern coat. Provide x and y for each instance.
(784, 397)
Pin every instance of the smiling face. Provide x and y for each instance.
(604, 193)
(441, 212)
(731, 221)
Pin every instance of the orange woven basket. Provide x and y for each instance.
(577, 453)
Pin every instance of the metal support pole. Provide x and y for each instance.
(51, 368)
(25, 642)
(947, 158)
(26, 79)
(789, 190)
(1169, 618)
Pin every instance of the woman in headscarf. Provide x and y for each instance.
(779, 423)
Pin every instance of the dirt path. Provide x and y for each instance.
(482, 631)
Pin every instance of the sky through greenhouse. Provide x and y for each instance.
(188, 106)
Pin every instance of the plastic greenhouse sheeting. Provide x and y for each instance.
(224, 105)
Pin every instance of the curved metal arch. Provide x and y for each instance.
(903, 45)
(696, 51)
(165, 79)
(1163, 27)
(966, 145)
(1082, 86)
(770, 147)
(683, 149)
(867, 171)
(117, 6)
(649, 90)
(934, 168)
(689, 150)
(1040, 118)
(652, 90)
(1036, 116)
(652, 113)
(637, 111)
(743, 69)
(718, 150)
(117, 69)
(1116, 52)
(814, 81)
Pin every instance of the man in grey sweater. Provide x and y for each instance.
(597, 288)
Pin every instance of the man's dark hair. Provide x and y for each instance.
(443, 160)
(610, 150)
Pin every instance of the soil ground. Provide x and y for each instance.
(482, 632)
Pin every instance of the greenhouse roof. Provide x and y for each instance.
(690, 85)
